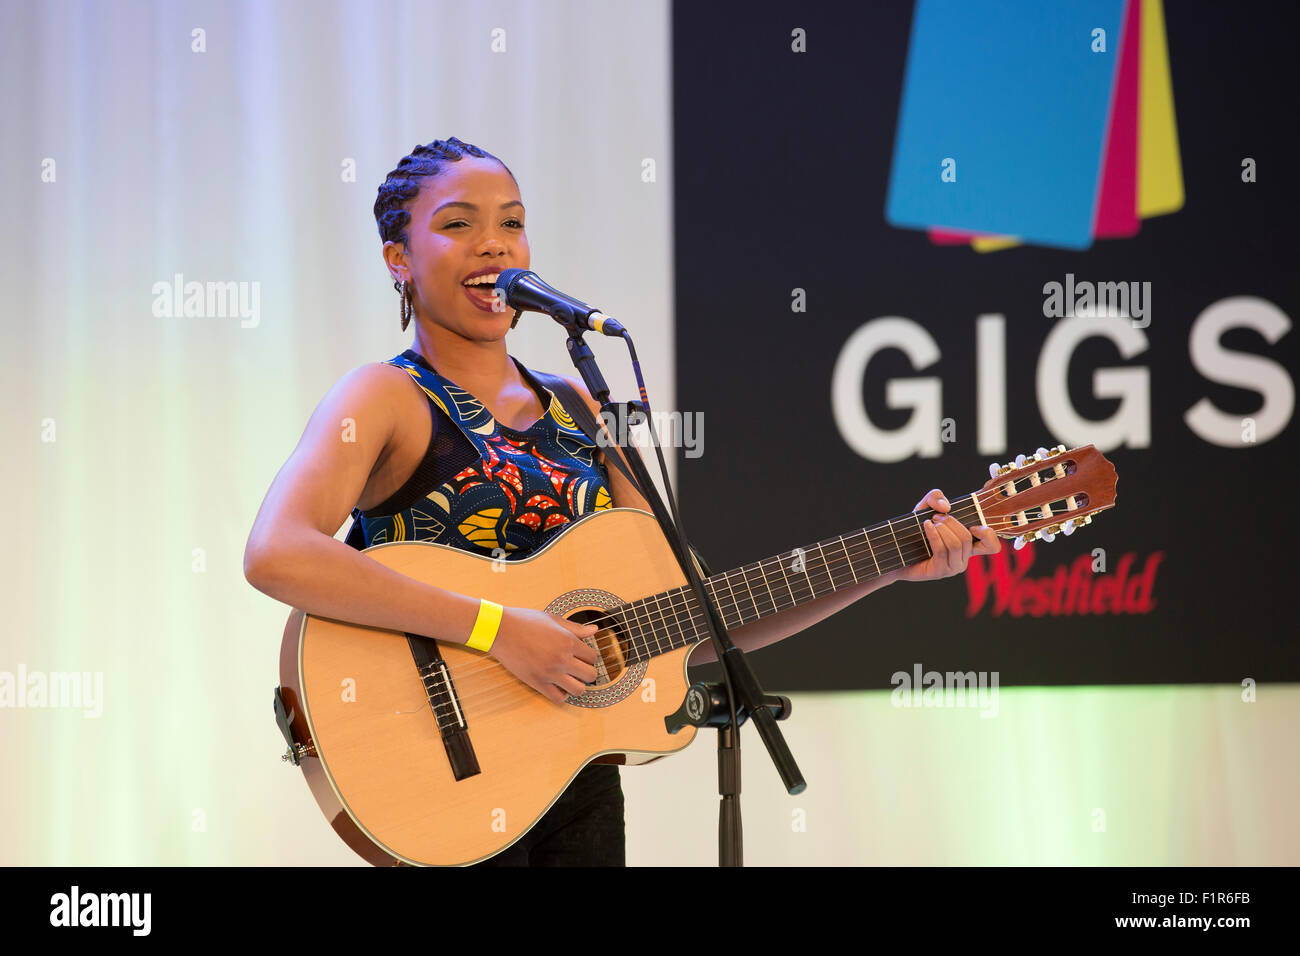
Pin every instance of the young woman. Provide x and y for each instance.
(451, 218)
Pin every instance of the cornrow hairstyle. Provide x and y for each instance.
(402, 185)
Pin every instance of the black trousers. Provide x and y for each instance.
(584, 827)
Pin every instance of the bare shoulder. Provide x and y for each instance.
(375, 379)
(368, 403)
(350, 432)
(376, 391)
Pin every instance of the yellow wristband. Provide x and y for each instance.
(485, 628)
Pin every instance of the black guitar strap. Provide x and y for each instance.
(586, 421)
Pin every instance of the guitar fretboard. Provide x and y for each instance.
(668, 620)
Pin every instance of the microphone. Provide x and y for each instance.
(526, 292)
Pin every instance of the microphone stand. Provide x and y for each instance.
(703, 706)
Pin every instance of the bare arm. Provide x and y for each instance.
(292, 554)
(951, 548)
(777, 627)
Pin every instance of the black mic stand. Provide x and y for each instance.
(704, 705)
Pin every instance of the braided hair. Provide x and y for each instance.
(402, 185)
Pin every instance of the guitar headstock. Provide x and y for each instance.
(1046, 493)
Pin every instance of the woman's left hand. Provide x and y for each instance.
(951, 544)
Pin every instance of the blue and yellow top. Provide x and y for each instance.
(484, 487)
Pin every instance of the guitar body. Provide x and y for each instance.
(377, 761)
(427, 753)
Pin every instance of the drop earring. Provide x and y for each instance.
(406, 307)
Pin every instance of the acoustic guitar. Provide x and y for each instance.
(422, 752)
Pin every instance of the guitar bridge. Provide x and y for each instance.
(447, 713)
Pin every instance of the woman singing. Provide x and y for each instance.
(421, 461)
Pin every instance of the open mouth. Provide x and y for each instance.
(481, 290)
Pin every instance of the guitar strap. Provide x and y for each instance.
(583, 417)
(585, 420)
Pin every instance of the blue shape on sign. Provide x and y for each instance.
(1013, 94)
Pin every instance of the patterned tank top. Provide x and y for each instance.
(484, 487)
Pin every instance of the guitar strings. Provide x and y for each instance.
(637, 614)
(833, 563)
(635, 627)
(639, 624)
(639, 627)
(682, 612)
(682, 608)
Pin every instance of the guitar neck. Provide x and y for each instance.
(672, 619)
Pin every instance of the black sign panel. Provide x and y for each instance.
(786, 270)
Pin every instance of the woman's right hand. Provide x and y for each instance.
(545, 652)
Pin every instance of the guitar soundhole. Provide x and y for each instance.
(620, 669)
(608, 643)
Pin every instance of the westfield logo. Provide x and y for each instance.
(1003, 583)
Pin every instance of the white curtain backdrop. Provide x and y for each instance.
(243, 143)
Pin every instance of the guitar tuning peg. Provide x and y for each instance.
(1018, 543)
(1058, 450)
(1040, 454)
(1086, 519)
(994, 470)
(1068, 528)
(1047, 536)
(1020, 461)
